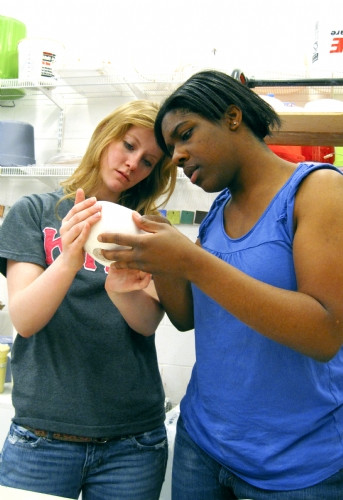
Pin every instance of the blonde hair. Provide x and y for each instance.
(158, 186)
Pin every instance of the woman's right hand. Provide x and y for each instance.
(161, 249)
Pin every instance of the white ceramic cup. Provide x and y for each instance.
(114, 219)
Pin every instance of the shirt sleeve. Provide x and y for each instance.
(21, 236)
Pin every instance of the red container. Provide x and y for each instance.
(289, 153)
(321, 154)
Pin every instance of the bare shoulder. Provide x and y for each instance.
(323, 187)
(321, 177)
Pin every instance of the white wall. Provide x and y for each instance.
(158, 36)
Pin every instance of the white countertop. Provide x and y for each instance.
(15, 494)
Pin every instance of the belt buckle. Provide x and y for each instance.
(101, 440)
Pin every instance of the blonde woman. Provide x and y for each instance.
(88, 398)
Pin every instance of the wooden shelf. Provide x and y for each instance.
(310, 128)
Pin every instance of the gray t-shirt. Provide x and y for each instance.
(86, 372)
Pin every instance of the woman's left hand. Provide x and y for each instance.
(133, 293)
(126, 280)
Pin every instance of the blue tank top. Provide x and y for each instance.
(271, 415)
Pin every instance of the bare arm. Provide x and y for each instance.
(175, 293)
(134, 294)
(309, 320)
(176, 297)
(34, 293)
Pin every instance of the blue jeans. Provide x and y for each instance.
(123, 469)
(196, 476)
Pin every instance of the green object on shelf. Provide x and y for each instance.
(11, 94)
(339, 157)
(11, 32)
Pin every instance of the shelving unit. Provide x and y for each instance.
(92, 84)
(74, 86)
(59, 172)
(80, 87)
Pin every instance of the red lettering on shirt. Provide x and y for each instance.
(90, 264)
(50, 243)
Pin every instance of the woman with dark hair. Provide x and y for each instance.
(263, 413)
(209, 95)
(87, 392)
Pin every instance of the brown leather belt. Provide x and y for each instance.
(68, 437)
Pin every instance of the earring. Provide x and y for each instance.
(234, 123)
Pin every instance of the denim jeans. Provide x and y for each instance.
(122, 469)
(196, 476)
